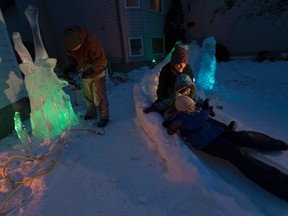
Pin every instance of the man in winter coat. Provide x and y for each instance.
(86, 56)
(204, 135)
(167, 78)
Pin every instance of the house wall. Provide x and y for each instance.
(142, 22)
(132, 25)
(99, 17)
(154, 27)
(241, 36)
(109, 20)
(13, 95)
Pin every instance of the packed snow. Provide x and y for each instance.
(133, 167)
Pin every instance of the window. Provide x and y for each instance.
(155, 5)
(157, 45)
(136, 46)
(132, 4)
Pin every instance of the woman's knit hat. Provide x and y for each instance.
(183, 81)
(183, 103)
(179, 55)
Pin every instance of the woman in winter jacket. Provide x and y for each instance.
(204, 135)
(167, 78)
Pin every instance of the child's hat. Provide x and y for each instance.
(183, 81)
(183, 103)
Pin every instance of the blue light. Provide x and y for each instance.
(206, 78)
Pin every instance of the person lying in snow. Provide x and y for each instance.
(192, 123)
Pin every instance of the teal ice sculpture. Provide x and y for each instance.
(51, 109)
(206, 77)
(22, 132)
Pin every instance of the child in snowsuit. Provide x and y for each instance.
(204, 135)
(185, 86)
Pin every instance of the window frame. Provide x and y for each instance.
(153, 10)
(131, 7)
(130, 48)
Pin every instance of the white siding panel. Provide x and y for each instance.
(99, 17)
(12, 86)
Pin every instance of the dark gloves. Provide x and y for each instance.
(174, 126)
(166, 123)
(66, 75)
(85, 71)
(149, 109)
(211, 111)
(205, 104)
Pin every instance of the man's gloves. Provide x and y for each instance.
(85, 71)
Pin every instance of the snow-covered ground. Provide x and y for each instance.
(136, 169)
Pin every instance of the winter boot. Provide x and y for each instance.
(232, 126)
(211, 111)
(102, 123)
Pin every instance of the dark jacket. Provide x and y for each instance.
(90, 53)
(195, 127)
(167, 79)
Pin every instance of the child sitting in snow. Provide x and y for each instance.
(192, 123)
(185, 86)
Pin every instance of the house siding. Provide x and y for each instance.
(132, 26)
(12, 88)
(110, 21)
(99, 17)
(142, 22)
(13, 95)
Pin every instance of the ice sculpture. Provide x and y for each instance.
(206, 77)
(195, 56)
(22, 132)
(51, 109)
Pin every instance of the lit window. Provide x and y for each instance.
(155, 5)
(132, 4)
(136, 46)
(157, 45)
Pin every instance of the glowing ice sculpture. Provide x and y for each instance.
(51, 109)
(206, 77)
(22, 132)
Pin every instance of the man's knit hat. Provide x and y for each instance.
(179, 55)
(183, 103)
(71, 39)
(183, 81)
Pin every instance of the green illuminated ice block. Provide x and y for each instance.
(51, 109)
(22, 132)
